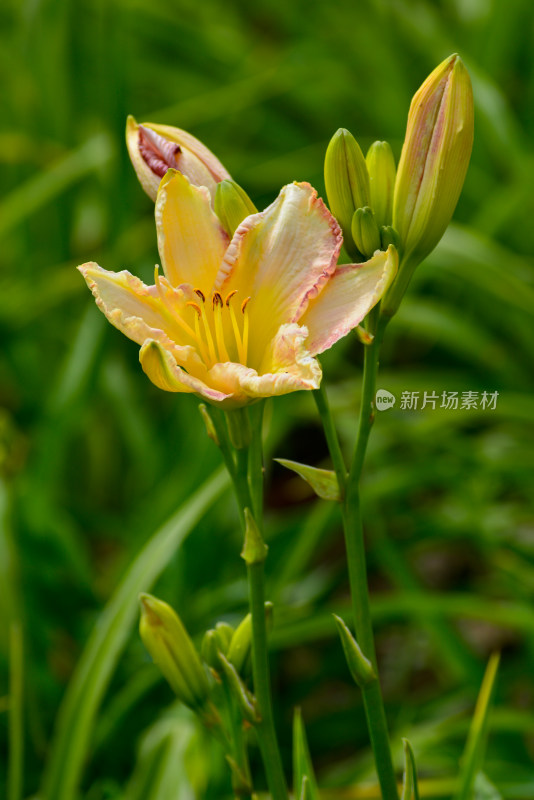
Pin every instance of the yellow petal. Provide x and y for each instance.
(162, 369)
(347, 298)
(280, 258)
(139, 312)
(191, 240)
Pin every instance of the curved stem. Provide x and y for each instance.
(246, 459)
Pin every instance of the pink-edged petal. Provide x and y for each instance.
(161, 367)
(191, 240)
(139, 312)
(347, 298)
(281, 258)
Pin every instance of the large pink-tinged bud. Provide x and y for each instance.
(154, 149)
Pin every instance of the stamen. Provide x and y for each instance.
(244, 309)
(235, 327)
(209, 337)
(195, 306)
(219, 332)
(200, 294)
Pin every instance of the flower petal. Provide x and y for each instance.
(161, 367)
(347, 298)
(191, 240)
(139, 312)
(281, 258)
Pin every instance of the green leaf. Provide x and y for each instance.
(473, 755)
(323, 481)
(108, 638)
(409, 788)
(304, 782)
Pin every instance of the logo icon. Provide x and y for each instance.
(384, 400)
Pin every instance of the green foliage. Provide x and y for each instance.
(93, 458)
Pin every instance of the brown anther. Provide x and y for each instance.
(244, 304)
(195, 306)
(229, 296)
(200, 294)
(217, 299)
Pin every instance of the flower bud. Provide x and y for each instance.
(365, 231)
(154, 149)
(215, 641)
(434, 160)
(359, 665)
(347, 182)
(232, 204)
(381, 168)
(171, 648)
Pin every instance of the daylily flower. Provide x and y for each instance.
(233, 320)
(154, 149)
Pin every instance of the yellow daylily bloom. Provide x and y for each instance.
(233, 320)
(154, 149)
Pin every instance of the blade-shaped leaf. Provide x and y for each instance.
(323, 481)
(304, 783)
(473, 754)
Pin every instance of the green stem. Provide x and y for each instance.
(356, 560)
(245, 460)
(16, 733)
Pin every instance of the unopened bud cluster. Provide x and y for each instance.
(410, 208)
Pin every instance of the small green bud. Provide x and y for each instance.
(347, 183)
(215, 641)
(254, 549)
(248, 705)
(388, 235)
(241, 643)
(365, 231)
(381, 168)
(232, 205)
(171, 648)
(208, 422)
(360, 667)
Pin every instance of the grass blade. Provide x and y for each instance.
(16, 720)
(110, 634)
(473, 755)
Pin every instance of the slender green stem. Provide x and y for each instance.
(16, 735)
(246, 459)
(355, 547)
(321, 401)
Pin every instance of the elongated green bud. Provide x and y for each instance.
(347, 183)
(171, 648)
(365, 231)
(360, 667)
(381, 168)
(232, 205)
(434, 160)
(241, 643)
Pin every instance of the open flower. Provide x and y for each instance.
(236, 320)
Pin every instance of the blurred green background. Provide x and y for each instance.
(93, 458)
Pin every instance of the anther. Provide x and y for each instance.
(229, 297)
(217, 299)
(195, 306)
(244, 304)
(200, 294)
